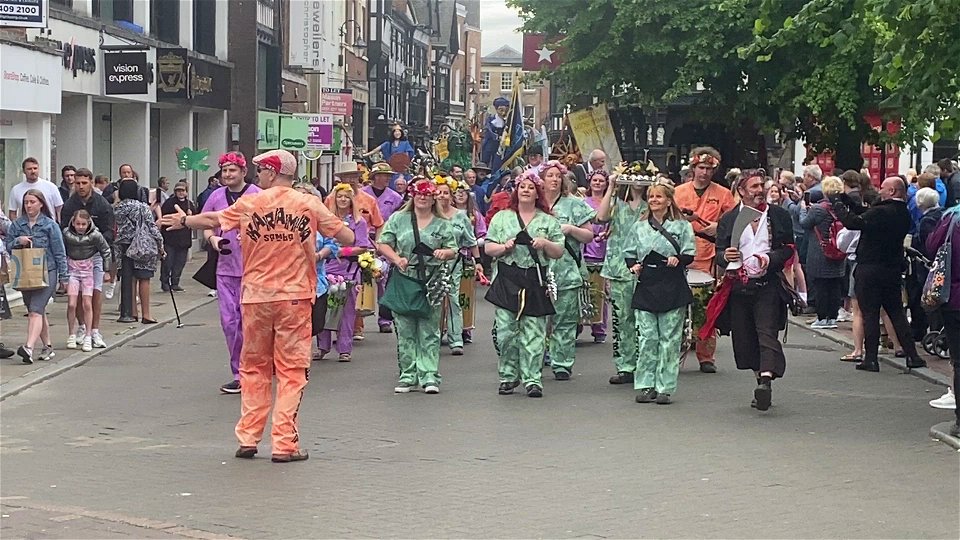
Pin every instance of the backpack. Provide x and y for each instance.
(831, 249)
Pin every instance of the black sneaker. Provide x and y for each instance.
(246, 452)
(232, 387)
(646, 395)
(5, 352)
(534, 391)
(664, 399)
(467, 337)
(622, 377)
(708, 367)
(763, 395)
(561, 375)
(26, 355)
(546, 359)
(506, 388)
(916, 363)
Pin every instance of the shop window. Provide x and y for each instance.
(165, 21)
(205, 34)
(506, 82)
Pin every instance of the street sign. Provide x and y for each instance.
(24, 13)
(336, 101)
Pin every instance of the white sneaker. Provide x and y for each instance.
(212, 293)
(820, 324)
(431, 389)
(82, 330)
(98, 341)
(405, 388)
(844, 316)
(87, 344)
(831, 324)
(47, 353)
(946, 401)
(72, 341)
(108, 289)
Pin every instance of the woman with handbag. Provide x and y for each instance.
(138, 247)
(468, 254)
(824, 266)
(520, 240)
(659, 249)
(575, 223)
(464, 200)
(346, 266)
(36, 229)
(417, 241)
(944, 242)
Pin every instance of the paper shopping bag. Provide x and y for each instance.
(29, 269)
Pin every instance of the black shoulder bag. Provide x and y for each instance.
(522, 290)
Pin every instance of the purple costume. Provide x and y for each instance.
(593, 255)
(388, 202)
(229, 272)
(347, 267)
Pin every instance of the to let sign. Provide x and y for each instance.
(336, 101)
(319, 131)
(124, 73)
(24, 13)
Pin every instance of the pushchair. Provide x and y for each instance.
(935, 340)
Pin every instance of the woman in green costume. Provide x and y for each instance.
(520, 239)
(622, 207)
(658, 252)
(575, 218)
(418, 340)
(468, 253)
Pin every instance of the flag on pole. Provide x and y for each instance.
(514, 134)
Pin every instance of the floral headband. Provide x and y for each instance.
(544, 167)
(232, 158)
(420, 185)
(530, 175)
(600, 172)
(439, 180)
(706, 159)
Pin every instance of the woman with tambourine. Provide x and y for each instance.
(521, 239)
(417, 241)
(658, 251)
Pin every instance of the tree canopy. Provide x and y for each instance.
(813, 67)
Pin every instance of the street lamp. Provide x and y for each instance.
(358, 42)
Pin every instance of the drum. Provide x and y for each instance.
(367, 299)
(702, 285)
(597, 293)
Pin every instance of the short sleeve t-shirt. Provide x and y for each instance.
(572, 211)
(232, 264)
(505, 226)
(50, 192)
(278, 231)
(398, 234)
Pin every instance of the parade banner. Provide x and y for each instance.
(538, 54)
(592, 129)
(24, 13)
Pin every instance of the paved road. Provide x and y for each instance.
(139, 443)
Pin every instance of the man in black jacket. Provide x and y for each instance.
(756, 311)
(85, 198)
(880, 261)
(951, 179)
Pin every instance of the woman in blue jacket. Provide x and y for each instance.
(35, 228)
(397, 144)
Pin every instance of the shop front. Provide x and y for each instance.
(29, 98)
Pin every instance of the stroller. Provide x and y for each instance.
(935, 340)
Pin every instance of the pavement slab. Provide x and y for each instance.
(141, 434)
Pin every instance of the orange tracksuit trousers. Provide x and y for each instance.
(276, 341)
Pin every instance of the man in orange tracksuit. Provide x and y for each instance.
(278, 229)
(704, 201)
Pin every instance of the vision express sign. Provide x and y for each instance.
(124, 73)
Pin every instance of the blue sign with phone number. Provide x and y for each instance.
(24, 13)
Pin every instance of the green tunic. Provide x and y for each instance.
(621, 225)
(466, 238)
(505, 226)
(398, 234)
(568, 273)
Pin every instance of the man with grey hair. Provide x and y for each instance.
(596, 160)
(812, 175)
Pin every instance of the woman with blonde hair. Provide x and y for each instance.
(826, 264)
(658, 251)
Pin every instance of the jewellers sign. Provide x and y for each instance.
(307, 19)
(24, 13)
(125, 73)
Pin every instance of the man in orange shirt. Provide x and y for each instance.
(704, 201)
(366, 204)
(278, 230)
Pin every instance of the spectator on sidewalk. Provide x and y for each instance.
(67, 174)
(177, 243)
(951, 311)
(827, 274)
(880, 260)
(131, 212)
(212, 184)
(950, 174)
(32, 180)
(159, 195)
(85, 198)
(35, 228)
(5, 258)
(83, 244)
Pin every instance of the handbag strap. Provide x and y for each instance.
(533, 252)
(657, 226)
(416, 242)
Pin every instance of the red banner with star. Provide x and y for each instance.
(539, 54)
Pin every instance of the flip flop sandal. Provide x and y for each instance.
(851, 358)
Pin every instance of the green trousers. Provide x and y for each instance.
(659, 336)
(624, 326)
(563, 335)
(455, 315)
(418, 348)
(519, 344)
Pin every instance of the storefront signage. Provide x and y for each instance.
(306, 32)
(31, 80)
(268, 130)
(293, 132)
(78, 58)
(181, 78)
(336, 101)
(24, 13)
(124, 73)
(319, 131)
